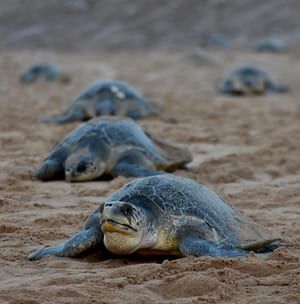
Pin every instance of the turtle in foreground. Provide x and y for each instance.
(106, 98)
(45, 71)
(110, 147)
(271, 45)
(250, 80)
(166, 215)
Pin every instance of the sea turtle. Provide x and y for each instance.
(200, 56)
(110, 147)
(166, 215)
(77, 5)
(247, 80)
(106, 98)
(272, 45)
(46, 71)
(219, 40)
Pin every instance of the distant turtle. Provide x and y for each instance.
(247, 80)
(46, 71)
(77, 5)
(110, 147)
(166, 215)
(200, 56)
(219, 40)
(106, 98)
(271, 45)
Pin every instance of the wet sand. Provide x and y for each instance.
(246, 149)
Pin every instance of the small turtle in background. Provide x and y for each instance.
(110, 147)
(219, 40)
(250, 80)
(106, 98)
(45, 71)
(200, 57)
(271, 45)
(166, 215)
(77, 5)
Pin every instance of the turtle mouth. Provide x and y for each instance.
(110, 225)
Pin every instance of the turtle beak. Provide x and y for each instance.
(117, 217)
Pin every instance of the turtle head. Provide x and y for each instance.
(124, 226)
(249, 81)
(30, 75)
(83, 168)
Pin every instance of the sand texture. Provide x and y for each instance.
(245, 148)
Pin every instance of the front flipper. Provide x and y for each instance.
(276, 88)
(192, 244)
(49, 170)
(28, 77)
(225, 87)
(74, 116)
(86, 239)
(134, 163)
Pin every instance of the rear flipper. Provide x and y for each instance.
(77, 115)
(134, 163)
(86, 239)
(176, 157)
(193, 245)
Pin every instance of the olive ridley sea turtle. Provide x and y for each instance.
(110, 147)
(165, 215)
(45, 71)
(106, 98)
(249, 80)
(271, 45)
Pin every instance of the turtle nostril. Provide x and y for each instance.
(81, 166)
(108, 205)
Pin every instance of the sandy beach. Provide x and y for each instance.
(245, 148)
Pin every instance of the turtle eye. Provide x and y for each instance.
(126, 209)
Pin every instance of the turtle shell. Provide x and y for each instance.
(185, 198)
(110, 90)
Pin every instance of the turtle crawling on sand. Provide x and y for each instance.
(165, 215)
(106, 98)
(45, 71)
(249, 80)
(271, 45)
(110, 147)
(200, 56)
